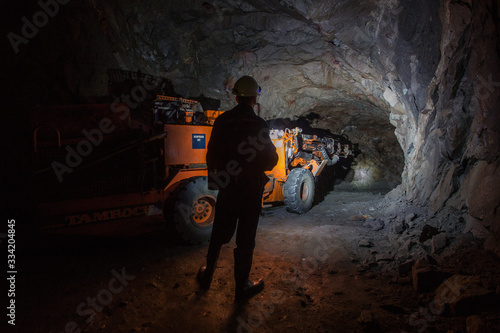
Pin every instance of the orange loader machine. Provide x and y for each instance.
(98, 172)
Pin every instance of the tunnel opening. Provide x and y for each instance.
(378, 161)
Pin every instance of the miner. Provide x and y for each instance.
(239, 151)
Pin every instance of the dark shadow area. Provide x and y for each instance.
(45, 250)
(235, 321)
(70, 270)
(330, 177)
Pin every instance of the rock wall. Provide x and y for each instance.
(458, 137)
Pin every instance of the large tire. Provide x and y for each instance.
(194, 210)
(298, 191)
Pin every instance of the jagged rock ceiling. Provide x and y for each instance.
(412, 82)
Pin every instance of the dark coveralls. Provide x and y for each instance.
(239, 152)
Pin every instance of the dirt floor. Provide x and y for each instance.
(334, 269)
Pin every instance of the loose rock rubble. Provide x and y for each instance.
(325, 271)
(412, 246)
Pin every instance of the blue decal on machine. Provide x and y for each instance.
(199, 141)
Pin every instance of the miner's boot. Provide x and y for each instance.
(242, 266)
(206, 273)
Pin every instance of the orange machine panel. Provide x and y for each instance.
(186, 144)
(279, 171)
(212, 115)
